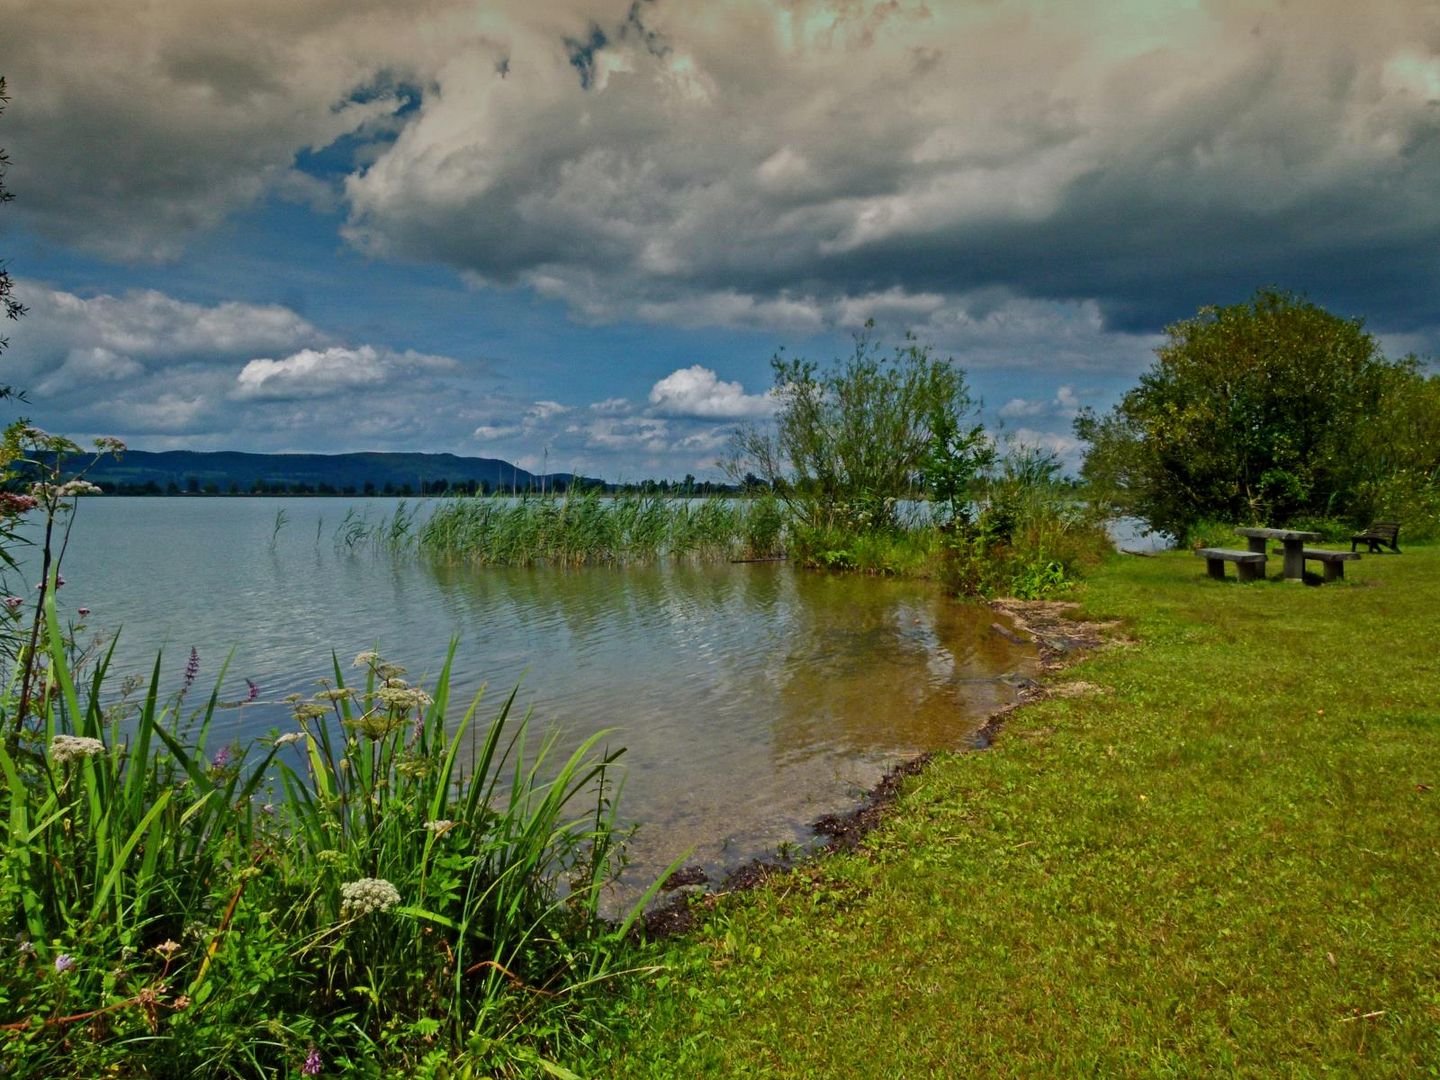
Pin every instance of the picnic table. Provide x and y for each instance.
(1294, 542)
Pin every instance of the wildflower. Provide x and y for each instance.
(312, 1063)
(83, 612)
(400, 697)
(343, 693)
(108, 444)
(439, 827)
(167, 948)
(13, 503)
(222, 758)
(288, 738)
(192, 668)
(268, 809)
(14, 602)
(63, 963)
(389, 671)
(254, 691)
(305, 712)
(25, 945)
(375, 724)
(365, 659)
(366, 895)
(71, 488)
(66, 748)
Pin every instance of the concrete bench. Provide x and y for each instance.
(1249, 565)
(1333, 561)
(1379, 532)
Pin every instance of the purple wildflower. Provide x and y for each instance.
(14, 602)
(63, 963)
(192, 668)
(254, 690)
(84, 612)
(222, 758)
(312, 1063)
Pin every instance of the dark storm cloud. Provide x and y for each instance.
(1076, 174)
(1243, 146)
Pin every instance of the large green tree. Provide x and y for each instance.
(851, 439)
(1257, 412)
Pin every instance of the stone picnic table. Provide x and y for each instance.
(1294, 542)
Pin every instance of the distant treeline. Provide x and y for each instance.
(545, 485)
(185, 472)
(405, 489)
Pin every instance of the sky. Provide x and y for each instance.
(572, 233)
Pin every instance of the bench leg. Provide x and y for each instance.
(1294, 562)
(1215, 568)
(1334, 571)
(1250, 571)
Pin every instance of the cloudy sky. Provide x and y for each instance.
(573, 232)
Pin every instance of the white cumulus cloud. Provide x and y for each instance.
(697, 391)
(316, 372)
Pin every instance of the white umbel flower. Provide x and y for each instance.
(65, 748)
(369, 894)
(400, 697)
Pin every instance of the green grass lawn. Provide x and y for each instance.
(1225, 861)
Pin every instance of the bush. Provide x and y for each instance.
(1034, 534)
(851, 441)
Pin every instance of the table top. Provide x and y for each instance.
(1279, 534)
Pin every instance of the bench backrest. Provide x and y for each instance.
(1384, 528)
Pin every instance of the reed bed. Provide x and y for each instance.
(576, 529)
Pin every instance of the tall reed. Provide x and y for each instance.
(576, 529)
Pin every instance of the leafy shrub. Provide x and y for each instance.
(852, 439)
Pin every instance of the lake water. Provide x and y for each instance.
(753, 699)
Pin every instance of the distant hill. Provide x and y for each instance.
(233, 472)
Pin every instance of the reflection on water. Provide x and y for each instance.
(753, 699)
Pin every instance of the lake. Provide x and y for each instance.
(753, 698)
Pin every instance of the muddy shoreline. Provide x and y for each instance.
(1059, 639)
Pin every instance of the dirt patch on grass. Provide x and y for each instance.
(1057, 630)
(1060, 638)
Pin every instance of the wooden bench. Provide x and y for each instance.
(1334, 561)
(1377, 533)
(1249, 565)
